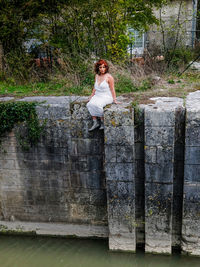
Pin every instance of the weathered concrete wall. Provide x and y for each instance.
(136, 182)
(120, 166)
(62, 178)
(160, 121)
(191, 203)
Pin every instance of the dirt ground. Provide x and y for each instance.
(168, 86)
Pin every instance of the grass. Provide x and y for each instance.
(40, 88)
(137, 89)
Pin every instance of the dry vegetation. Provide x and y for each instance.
(138, 81)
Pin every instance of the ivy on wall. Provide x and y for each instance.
(13, 113)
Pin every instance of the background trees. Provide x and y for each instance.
(75, 28)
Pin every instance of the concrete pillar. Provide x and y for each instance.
(159, 173)
(139, 176)
(119, 166)
(191, 199)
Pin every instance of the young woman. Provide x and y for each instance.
(102, 94)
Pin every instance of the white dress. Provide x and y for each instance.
(101, 98)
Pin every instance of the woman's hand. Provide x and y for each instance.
(116, 102)
(89, 98)
(93, 93)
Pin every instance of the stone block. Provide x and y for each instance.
(192, 116)
(53, 112)
(122, 242)
(159, 136)
(125, 154)
(159, 173)
(150, 154)
(159, 239)
(121, 215)
(191, 201)
(110, 153)
(80, 166)
(98, 197)
(158, 217)
(158, 199)
(157, 117)
(190, 237)
(165, 154)
(92, 179)
(115, 116)
(79, 129)
(119, 172)
(84, 147)
(192, 135)
(7, 164)
(121, 135)
(7, 156)
(79, 111)
(192, 173)
(192, 155)
(120, 192)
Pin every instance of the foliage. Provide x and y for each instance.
(174, 35)
(179, 56)
(72, 27)
(12, 113)
(18, 65)
(124, 84)
(9, 87)
(99, 27)
(171, 81)
(137, 113)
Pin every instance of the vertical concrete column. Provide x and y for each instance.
(159, 173)
(119, 166)
(191, 197)
(179, 148)
(139, 175)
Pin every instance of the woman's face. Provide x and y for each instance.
(102, 69)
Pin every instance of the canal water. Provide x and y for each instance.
(23, 251)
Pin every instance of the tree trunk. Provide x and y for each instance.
(1, 57)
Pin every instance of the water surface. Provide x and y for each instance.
(23, 251)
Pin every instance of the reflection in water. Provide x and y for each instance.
(22, 251)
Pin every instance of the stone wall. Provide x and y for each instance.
(62, 178)
(136, 182)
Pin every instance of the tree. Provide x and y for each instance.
(75, 27)
(100, 26)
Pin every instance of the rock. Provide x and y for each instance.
(195, 65)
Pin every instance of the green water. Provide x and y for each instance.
(20, 251)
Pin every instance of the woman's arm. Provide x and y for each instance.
(112, 88)
(93, 93)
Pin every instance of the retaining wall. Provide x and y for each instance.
(136, 182)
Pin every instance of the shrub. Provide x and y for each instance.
(124, 84)
(177, 57)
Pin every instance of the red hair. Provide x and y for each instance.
(98, 64)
